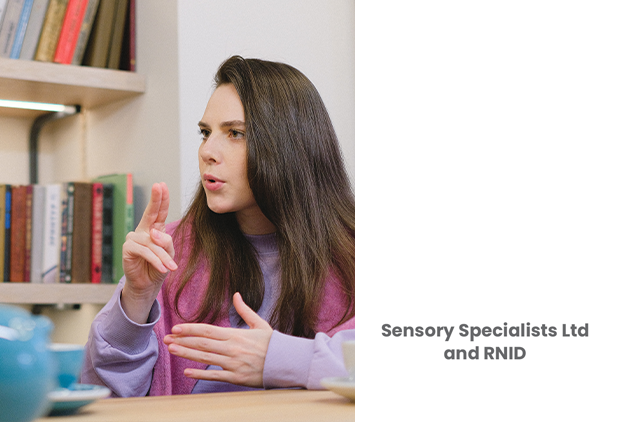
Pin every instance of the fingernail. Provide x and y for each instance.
(176, 330)
(155, 234)
(172, 265)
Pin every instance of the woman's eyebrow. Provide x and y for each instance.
(230, 123)
(233, 123)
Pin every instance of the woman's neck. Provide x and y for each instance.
(254, 223)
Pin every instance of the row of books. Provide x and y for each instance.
(70, 232)
(96, 33)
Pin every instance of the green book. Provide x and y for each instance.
(123, 216)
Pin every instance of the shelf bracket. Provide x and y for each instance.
(34, 137)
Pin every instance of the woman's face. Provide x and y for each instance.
(223, 161)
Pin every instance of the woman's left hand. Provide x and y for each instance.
(240, 352)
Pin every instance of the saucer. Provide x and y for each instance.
(66, 401)
(343, 386)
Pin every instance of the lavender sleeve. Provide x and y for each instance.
(300, 362)
(119, 353)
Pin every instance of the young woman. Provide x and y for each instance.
(255, 286)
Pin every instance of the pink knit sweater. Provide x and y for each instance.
(288, 359)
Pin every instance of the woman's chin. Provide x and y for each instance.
(219, 208)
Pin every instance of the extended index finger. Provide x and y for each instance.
(157, 209)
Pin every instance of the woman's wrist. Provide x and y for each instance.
(137, 306)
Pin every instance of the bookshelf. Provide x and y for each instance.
(90, 88)
(44, 82)
(48, 294)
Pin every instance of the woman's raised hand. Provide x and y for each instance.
(147, 257)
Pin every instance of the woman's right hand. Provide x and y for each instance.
(148, 256)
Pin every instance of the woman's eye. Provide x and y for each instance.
(237, 134)
(204, 133)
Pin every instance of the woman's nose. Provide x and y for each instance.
(208, 150)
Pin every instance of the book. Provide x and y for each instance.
(70, 30)
(28, 247)
(9, 26)
(51, 30)
(128, 50)
(67, 230)
(116, 39)
(52, 234)
(96, 53)
(2, 217)
(7, 233)
(85, 31)
(81, 238)
(18, 233)
(107, 232)
(37, 230)
(33, 31)
(123, 215)
(20, 31)
(97, 214)
(2, 9)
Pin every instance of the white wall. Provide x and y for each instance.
(317, 37)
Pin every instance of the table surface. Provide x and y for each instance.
(263, 405)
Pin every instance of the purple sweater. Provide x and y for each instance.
(132, 360)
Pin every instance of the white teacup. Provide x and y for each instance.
(348, 352)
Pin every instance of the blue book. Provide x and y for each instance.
(7, 234)
(21, 29)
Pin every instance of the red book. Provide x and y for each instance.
(70, 31)
(27, 254)
(18, 233)
(96, 234)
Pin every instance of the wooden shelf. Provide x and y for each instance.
(43, 294)
(90, 87)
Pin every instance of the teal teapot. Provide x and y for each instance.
(27, 368)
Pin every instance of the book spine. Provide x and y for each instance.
(2, 216)
(129, 204)
(128, 224)
(67, 207)
(18, 233)
(51, 30)
(96, 233)
(69, 31)
(107, 232)
(116, 40)
(81, 238)
(52, 234)
(38, 223)
(132, 36)
(33, 31)
(28, 246)
(7, 234)
(64, 215)
(96, 53)
(20, 32)
(67, 233)
(85, 31)
(9, 26)
(2, 10)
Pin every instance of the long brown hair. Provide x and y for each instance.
(297, 176)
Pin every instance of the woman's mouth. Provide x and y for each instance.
(212, 183)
